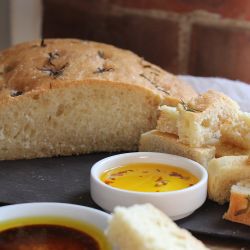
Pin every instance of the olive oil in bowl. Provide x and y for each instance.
(148, 177)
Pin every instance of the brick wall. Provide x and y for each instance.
(196, 37)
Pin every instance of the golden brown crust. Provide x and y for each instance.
(211, 100)
(36, 66)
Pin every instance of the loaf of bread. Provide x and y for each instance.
(239, 206)
(156, 141)
(238, 133)
(66, 96)
(200, 120)
(143, 227)
(223, 173)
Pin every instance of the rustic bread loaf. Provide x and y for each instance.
(65, 96)
(143, 227)
(156, 141)
(223, 173)
(239, 206)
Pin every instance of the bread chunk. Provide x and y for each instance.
(238, 133)
(239, 206)
(223, 173)
(201, 118)
(167, 121)
(67, 96)
(143, 227)
(156, 141)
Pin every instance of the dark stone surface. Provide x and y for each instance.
(66, 179)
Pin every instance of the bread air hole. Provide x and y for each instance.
(35, 97)
(9, 68)
(14, 93)
(206, 123)
(29, 130)
(52, 122)
(60, 110)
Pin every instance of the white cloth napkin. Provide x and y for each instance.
(239, 91)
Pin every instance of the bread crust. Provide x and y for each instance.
(31, 66)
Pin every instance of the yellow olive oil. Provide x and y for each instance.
(148, 177)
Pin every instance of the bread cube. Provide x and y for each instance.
(239, 207)
(156, 141)
(223, 173)
(168, 118)
(238, 133)
(200, 119)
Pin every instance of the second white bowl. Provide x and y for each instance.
(67, 215)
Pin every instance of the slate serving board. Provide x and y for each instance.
(66, 179)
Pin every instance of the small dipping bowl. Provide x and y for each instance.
(176, 204)
(56, 214)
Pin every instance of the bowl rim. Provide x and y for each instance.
(40, 205)
(203, 180)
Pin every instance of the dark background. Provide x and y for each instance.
(196, 37)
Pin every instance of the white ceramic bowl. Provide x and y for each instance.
(176, 204)
(77, 213)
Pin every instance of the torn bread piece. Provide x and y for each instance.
(239, 207)
(238, 133)
(156, 141)
(201, 118)
(144, 227)
(223, 173)
(167, 121)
